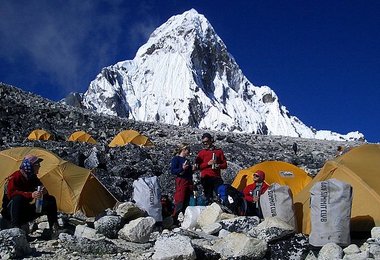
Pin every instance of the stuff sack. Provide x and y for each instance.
(191, 216)
(330, 203)
(277, 201)
(231, 200)
(147, 195)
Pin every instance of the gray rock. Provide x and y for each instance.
(330, 251)
(83, 231)
(212, 228)
(374, 251)
(375, 232)
(272, 228)
(109, 225)
(292, 247)
(88, 246)
(173, 247)
(357, 256)
(13, 244)
(129, 211)
(240, 224)
(238, 245)
(138, 230)
(351, 249)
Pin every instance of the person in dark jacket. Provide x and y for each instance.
(295, 148)
(253, 192)
(21, 191)
(210, 161)
(182, 168)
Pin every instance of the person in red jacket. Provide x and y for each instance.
(21, 190)
(210, 161)
(253, 192)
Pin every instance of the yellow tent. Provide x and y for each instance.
(360, 167)
(39, 134)
(81, 136)
(74, 188)
(130, 136)
(279, 172)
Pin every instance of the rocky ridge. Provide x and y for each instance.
(21, 112)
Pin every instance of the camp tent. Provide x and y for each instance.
(130, 136)
(279, 172)
(74, 188)
(40, 134)
(360, 167)
(81, 136)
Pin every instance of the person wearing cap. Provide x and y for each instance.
(21, 190)
(253, 192)
(181, 167)
(210, 160)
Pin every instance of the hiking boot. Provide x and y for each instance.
(51, 233)
(54, 230)
(25, 228)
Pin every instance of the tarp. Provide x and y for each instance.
(130, 136)
(40, 134)
(74, 188)
(360, 167)
(81, 136)
(279, 172)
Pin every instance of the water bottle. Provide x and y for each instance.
(214, 166)
(258, 197)
(39, 201)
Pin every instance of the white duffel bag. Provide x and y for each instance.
(330, 205)
(147, 195)
(277, 201)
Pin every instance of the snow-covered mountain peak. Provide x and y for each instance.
(185, 76)
(178, 34)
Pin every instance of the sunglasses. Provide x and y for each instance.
(206, 142)
(255, 175)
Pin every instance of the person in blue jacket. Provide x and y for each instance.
(182, 168)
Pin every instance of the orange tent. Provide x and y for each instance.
(279, 172)
(359, 167)
(74, 188)
(40, 134)
(81, 136)
(130, 136)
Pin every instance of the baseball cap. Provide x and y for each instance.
(33, 159)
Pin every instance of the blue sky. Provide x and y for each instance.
(322, 58)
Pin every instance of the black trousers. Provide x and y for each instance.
(210, 185)
(21, 211)
(254, 209)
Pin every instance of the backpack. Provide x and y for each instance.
(231, 200)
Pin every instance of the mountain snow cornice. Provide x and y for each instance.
(183, 76)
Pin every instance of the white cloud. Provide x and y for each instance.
(71, 40)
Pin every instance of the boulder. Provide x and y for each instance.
(238, 245)
(138, 230)
(173, 247)
(13, 244)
